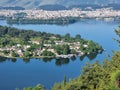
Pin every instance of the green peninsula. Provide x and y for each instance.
(31, 44)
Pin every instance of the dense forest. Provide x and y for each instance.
(23, 34)
(94, 76)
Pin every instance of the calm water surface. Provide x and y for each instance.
(24, 73)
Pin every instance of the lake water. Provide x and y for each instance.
(24, 73)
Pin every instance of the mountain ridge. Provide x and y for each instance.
(29, 4)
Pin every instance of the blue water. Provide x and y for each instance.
(22, 74)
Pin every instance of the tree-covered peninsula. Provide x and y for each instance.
(58, 21)
(31, 44)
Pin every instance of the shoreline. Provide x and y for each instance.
(59, 22)
(58, 56)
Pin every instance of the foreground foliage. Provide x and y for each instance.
(96, 77)
(37, 87)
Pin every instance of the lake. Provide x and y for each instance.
(23, 73)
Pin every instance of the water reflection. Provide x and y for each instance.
(14, 60)
(26, 60)
(47, 60)
(2, 59)
(89, 56)
(73, 58)
(84, 21)
(58, 61)
(62, 61)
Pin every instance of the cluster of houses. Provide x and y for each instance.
(20, 49)
(43, 14)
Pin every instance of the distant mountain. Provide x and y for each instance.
(13, 8)
(84, 6)
(96, 6)
(114, 6)
(79, 2)
(26, 3)
(35, 3)
(52, 7)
